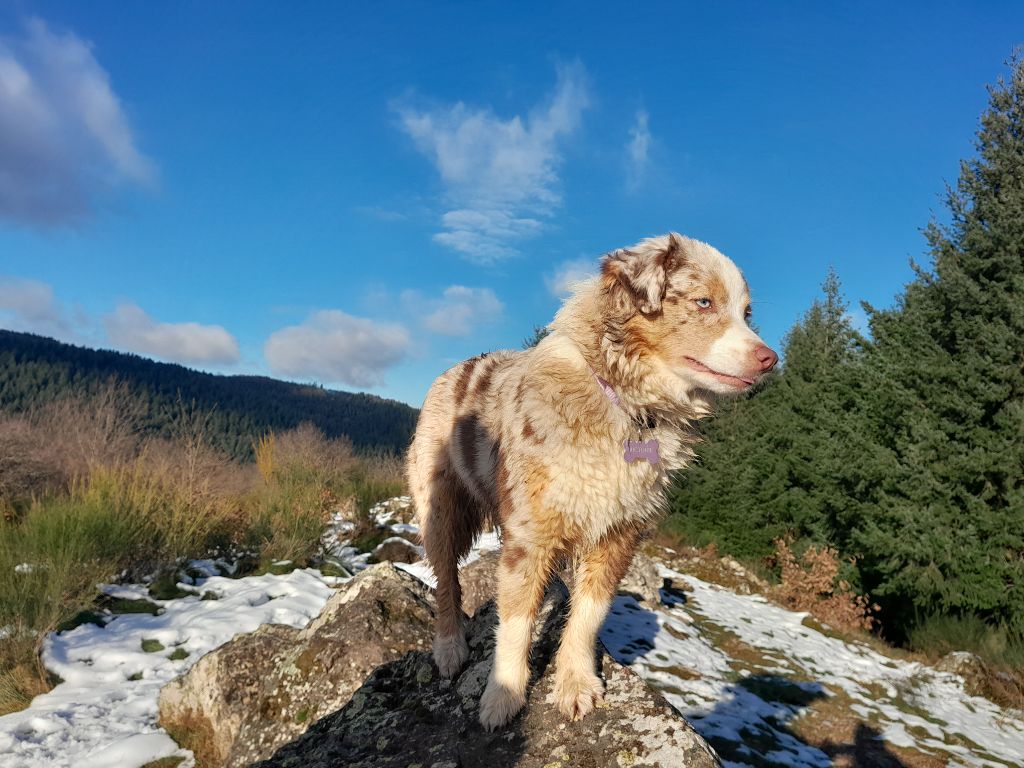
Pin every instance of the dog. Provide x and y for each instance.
(569, 447)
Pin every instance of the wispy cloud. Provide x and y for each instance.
(567, 274)
(130, 328)
(64, 137)
(458, 312)
(334, 347)
(30, 305)
(637, 149)
(500, 174)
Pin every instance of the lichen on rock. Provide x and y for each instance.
(358, 687)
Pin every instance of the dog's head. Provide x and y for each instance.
(685, 308)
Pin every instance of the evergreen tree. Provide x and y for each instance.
(539, 332)
(944, 528)
(35, 370)
(772, 465)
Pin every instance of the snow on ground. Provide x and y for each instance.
(421, 569)
(677, 649)
(386, 512)
(749, 702)
(104, 713)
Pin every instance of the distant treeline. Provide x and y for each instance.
(903, 448)
(35, 370)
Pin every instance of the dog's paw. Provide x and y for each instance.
(450, 653)
(577, 694)
(499, 704)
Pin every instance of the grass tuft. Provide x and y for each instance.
(86, 498)
(997, 672)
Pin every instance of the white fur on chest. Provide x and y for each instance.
(596, 489)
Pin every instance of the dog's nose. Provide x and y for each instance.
(765, 357)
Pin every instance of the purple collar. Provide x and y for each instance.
(607, 388)
(648, 423)
(633, 450)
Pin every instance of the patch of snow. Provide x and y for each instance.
(698, 679)
(910, 704)
(393, 539)
(351, 558)
(383, 513)
(126, 592)
(486, 542)
(131, 750)
(100, 716)
(421, 570)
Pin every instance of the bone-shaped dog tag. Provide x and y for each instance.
(646, 450)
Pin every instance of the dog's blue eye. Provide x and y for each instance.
(704, 303)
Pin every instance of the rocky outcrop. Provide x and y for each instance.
(642, 580)
(253, 694)
(361, 679)
(405, 715)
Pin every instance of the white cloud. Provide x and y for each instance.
(500, 175)
(332, 346)
(29, 305)
(130, 328)
(567, 274)
(637, 150)
(63, 135)
(459, 310)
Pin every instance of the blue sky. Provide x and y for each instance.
(363, 194)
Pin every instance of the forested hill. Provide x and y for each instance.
(35, 369)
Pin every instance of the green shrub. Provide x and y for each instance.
(937, 635)
(375, 478)
(286, 520)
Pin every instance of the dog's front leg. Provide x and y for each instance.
(523, 572)
(577, 687)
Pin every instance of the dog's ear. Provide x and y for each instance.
(642, 271)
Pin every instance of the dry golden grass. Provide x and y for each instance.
(22, 675)
(194, 733)
(86, 497)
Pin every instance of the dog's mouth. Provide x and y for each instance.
(740, 382)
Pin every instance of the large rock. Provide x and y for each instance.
(397, 549)
(642, 580)
(405, 715)
(255, 693)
